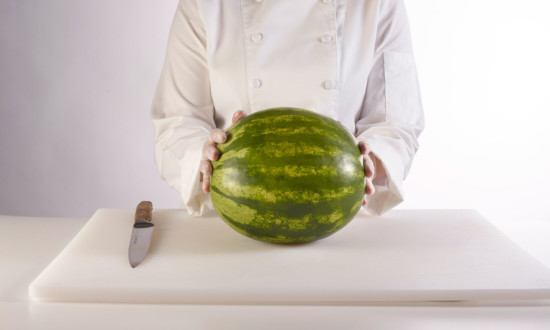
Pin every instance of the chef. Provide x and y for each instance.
(350, 60)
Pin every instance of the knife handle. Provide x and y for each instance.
(144, 211)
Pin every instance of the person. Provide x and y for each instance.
(351, 60)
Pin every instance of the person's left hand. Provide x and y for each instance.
(368, 164)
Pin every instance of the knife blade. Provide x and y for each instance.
(141, 233)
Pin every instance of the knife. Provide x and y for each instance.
(141, 233)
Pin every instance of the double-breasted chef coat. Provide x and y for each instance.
(351, 60)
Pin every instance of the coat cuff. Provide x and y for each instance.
(196, 201)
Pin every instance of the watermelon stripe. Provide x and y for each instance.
(276, 230)
(271, 140)
(281, 208)
(295, 123)
(292, 175)
(301, 192)
(347, 167)
(278, 150)
(290, 171)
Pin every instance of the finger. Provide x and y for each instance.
(368, 165)
(369, 187)
(205, 168)
(217, 135)
(364, 147)
(365, 200)
(206, 183)
(206, 171)
(210, 152)
(238, 115)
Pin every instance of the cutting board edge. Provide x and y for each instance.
(364, 298)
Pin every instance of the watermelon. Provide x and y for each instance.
(287, 175)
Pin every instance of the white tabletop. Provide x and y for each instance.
(28, 245)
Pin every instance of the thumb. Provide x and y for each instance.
(238, 115)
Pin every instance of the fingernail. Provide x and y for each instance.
(238, 115)
(220, 137)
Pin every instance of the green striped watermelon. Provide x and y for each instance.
(287, 175)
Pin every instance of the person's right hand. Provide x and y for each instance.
(210, 151)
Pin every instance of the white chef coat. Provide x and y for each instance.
(348, 59)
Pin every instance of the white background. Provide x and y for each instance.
(77, 80)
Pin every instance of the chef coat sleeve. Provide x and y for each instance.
(182, 109)
(392, 117)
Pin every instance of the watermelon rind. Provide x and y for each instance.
(288, 175)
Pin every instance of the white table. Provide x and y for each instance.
(27, 246)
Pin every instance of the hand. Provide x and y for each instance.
(368, 164)
(210, 151)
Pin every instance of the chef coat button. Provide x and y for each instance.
(325, 1)
(326, 38)
(257, 83)
(256, 37)
(330, 84)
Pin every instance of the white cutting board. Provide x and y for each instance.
(405, 255)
